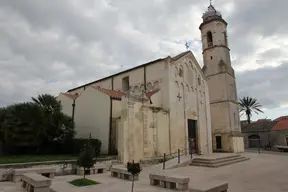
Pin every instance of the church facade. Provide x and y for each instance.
(167, 104)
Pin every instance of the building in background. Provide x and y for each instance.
(265, 133)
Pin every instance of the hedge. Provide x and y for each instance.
(70, 147)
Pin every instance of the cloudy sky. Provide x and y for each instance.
(52, 46)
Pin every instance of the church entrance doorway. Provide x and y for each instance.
(218, 142)
(192, 136)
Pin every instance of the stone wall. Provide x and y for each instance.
(274, 137)
(143, 130)
(189, 100)
(92, 115)
(66, 103)
(67, 167)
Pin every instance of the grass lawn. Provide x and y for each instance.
(34, 158)
(83, 182)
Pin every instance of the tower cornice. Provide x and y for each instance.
(211, 20)
(225, 46)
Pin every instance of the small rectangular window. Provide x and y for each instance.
(125, 84)
(225, 36)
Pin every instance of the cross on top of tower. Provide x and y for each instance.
(187, 45)
(211, 13)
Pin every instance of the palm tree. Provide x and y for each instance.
(249, 105)
(59, 125)
(48, 102)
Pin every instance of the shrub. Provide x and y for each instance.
(134, 169)
(85, 159)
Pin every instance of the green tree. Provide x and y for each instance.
(33, 124)
(25, 126)
(59, 126)
(48, 102)
(249, 105)
(134, 169)
(85, 159)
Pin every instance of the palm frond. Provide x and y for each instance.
(249, 105)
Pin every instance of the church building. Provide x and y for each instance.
(166, 104)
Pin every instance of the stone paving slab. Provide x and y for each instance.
(262, 173)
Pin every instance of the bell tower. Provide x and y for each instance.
(225, 121)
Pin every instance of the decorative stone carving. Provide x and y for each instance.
(149, 86)
(156, 85)
(137, 90)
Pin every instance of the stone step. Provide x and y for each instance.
(217, 160)
(219, 164)
(231, 162)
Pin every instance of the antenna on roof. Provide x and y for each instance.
(210, 2)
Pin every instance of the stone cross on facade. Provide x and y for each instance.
(201, 102)
(179, 96)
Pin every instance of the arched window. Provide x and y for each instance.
(156, 85)
(181, 72)
(209, 39)
(149, 86)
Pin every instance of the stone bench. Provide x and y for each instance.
(97, 168)
(210, 186)
(45, 171)
(122, 173)
(33, 182)
(169, 181)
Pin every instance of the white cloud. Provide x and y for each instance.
(48, 47)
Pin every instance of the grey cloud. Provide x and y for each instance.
(263, 17)
(252, 19)
(267, 84)
(272, 53)
(44, 41)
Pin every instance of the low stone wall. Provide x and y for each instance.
(64, 167)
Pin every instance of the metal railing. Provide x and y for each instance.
(177, 154)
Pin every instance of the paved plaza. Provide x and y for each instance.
(262, 173)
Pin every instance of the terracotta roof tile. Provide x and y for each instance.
(281, 125)
(150, 93)
(282, 118)
(111, 93)
(71, 96)
(119, 94)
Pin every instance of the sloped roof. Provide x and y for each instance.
(281, 118)
(71, 96)
(119, 94)
(281, 125)
(139, 66)
(180, 55)
(111, 93)
(257, 126)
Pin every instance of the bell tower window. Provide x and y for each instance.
(209, 39)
